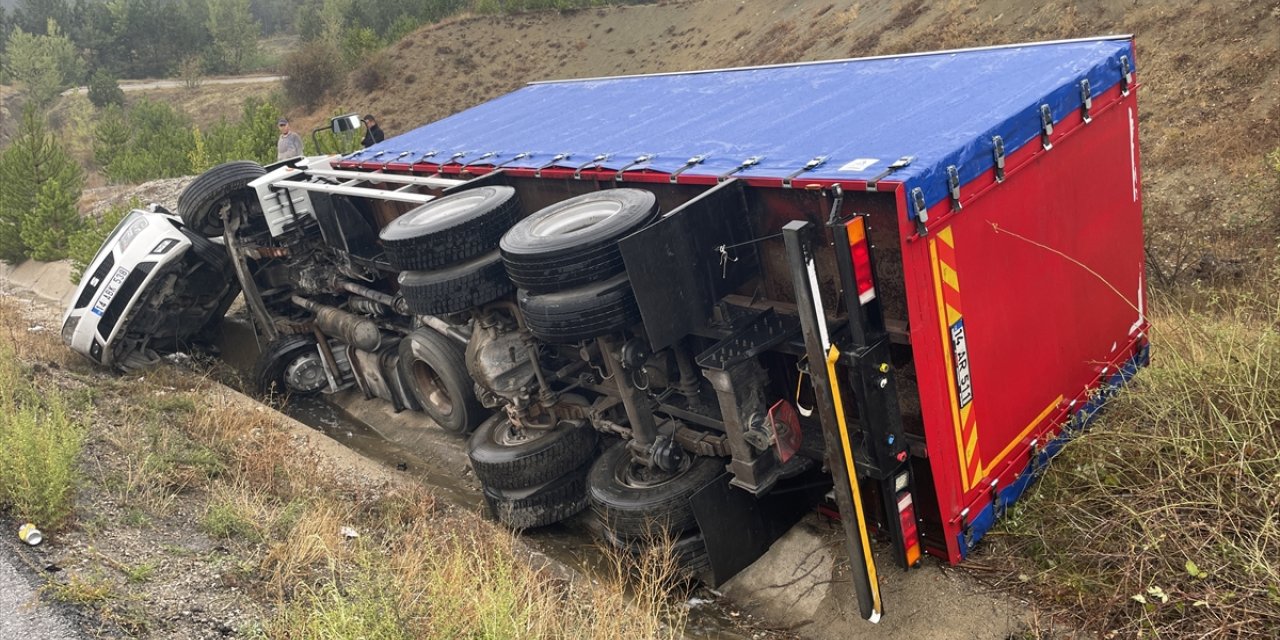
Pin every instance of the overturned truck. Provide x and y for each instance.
(704, 304)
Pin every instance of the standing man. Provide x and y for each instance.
(372, 132)
(289, 145)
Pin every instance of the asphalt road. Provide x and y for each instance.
(22, 615)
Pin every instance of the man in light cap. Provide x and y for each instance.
(372, 132)
(289, 145)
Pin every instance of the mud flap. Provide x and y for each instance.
(739, 528)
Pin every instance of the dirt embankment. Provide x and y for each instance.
(1210, 101)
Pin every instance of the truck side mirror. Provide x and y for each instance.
(343, 124)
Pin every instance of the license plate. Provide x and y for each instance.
(109, 291)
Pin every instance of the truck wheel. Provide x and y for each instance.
(578, 314)
(574, 242)
(451, 229)
(212, 254)
(434, 369)
(200, 202)
(540, 506)
(456, 288)
(689, 551)
(637, 503)
(508, 458)
(290, 365)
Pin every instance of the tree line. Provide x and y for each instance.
(154, 38)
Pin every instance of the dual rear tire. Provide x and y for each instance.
(532, 477)
(569, 270)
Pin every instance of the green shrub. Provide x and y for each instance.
(34, 159)
(149, 141)
(104, 90)
(47, 229)
(41, 444)
(84, 243)
(312, 71)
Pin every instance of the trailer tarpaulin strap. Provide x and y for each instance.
(788, 115)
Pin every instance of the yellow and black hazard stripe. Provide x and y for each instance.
(946, 278)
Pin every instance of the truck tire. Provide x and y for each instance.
(451, 229)
(212, 254)
(689, 551)
(200, 202)
(506, 459)
(433, 368)
(574, 242)
(290, 366)
(540, 506)
(579, 314)
(637, 503)
(456, 288)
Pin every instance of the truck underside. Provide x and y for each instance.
(702, 351)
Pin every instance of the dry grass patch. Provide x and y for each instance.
(1164, 519)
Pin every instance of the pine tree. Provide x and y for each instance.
(46, 229)
(32, 160)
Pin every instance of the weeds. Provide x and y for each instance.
(1163, 518)
(90, 591)
(41, 445)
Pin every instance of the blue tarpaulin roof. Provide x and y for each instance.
(942, 108)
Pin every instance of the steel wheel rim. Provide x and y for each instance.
(434, 393)
(633, 475)
(576, 217)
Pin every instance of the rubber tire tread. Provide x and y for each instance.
(198, 200)
(539, 269)
(448, 361)
(470, 237)
(212, 254)
(568, 317)
(635, 514)
(455, 288)
(269, 368)
(689, 550)
(551, 276)
(532, 463)
(548, 504)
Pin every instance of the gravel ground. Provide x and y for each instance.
(22, 614)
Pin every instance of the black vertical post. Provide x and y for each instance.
(876, 396)
(817, 343)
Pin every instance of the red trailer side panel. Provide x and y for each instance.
(1021, 303)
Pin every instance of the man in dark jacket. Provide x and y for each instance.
(372, 132)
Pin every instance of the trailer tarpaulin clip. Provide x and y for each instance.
(388, 163)
(429, 154)
(594, 163)
(746, 164)
(997, 152)
(453, 159)
(900, 163)
(808, 166)
(640, 159)
(516, 158)
(537, 173)
(1127, 75)
(481, 158)
(921, 210)
(688, 164)
(953, 186)
(1086, 101)
(1046, 127)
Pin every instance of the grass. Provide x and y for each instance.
(1163, 520)
(41, 443)
(178, 448)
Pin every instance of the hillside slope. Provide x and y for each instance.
(1210, 102)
